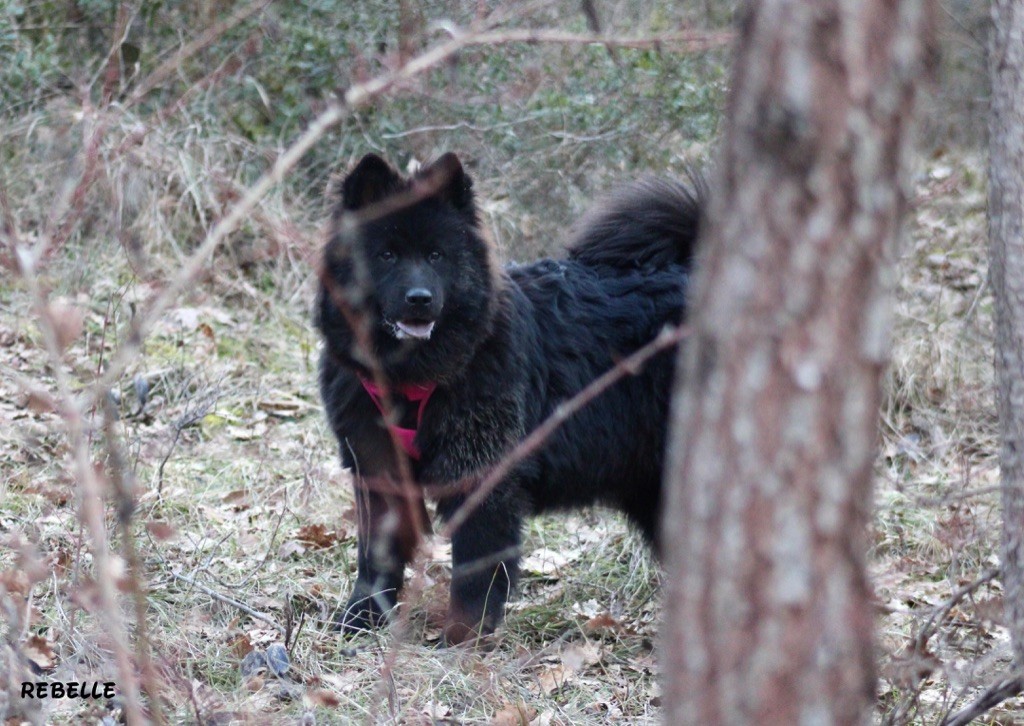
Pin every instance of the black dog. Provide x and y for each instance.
(467, 359)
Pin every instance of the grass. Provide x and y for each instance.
(231, 466)
(937, 524)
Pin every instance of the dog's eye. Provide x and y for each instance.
(434, 256)
(387, 256)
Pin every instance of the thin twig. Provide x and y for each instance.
(172, 65)
(690, 41)
(924, 634)
(122, 486)
(90, 491)
(990, 698)
(269, 620)
(631, 365)
(336, 110)
(939, 613)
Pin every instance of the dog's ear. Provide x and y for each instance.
(371, 181)
(451, 180)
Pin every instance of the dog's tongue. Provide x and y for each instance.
(416, 329)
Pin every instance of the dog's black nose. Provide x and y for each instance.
(419, 296)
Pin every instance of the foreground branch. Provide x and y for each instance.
(940, 613)
(338, 109)
(989, 699)
(629, 366)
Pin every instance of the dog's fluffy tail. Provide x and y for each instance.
(652, 222)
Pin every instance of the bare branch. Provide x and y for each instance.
(90, 499)
(630, 365)
(989, 699)
(210, 35)
(336, 110)
(939, 614)
(683, 41)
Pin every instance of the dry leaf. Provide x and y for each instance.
(319, 697)
(283, 406)
(602, 624)
(289, 548)
(40, 401)
(15, 581)
(67, 321)
(514, 714)
(991, 609)
(244, 433)
(58, 561)
(241, 646)
(262, 637)
(189, 317)
(548, 562)
(238, 499)
(39, 652)
(317, 535)
(577, 656)
(554, 678)
(160, 530)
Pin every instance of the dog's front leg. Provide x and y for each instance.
(390, 522)
(485, 563)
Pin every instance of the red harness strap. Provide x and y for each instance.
(412, 391)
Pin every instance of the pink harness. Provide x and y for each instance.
(412, 391)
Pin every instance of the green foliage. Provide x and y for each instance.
(541, 125)
(29, 59)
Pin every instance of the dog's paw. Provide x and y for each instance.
(365, 612)
(471, 632)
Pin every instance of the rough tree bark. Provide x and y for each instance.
(776, 409)
(1006, 273)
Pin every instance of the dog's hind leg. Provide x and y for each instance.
(644, 511)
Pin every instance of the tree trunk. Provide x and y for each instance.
(1006, 272)
(776, 408)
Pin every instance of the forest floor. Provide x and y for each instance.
(240, 495)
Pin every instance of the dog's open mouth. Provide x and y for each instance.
(412, 328)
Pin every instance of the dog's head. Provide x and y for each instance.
(405, 256)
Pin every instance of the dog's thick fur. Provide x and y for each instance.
(408, 274)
